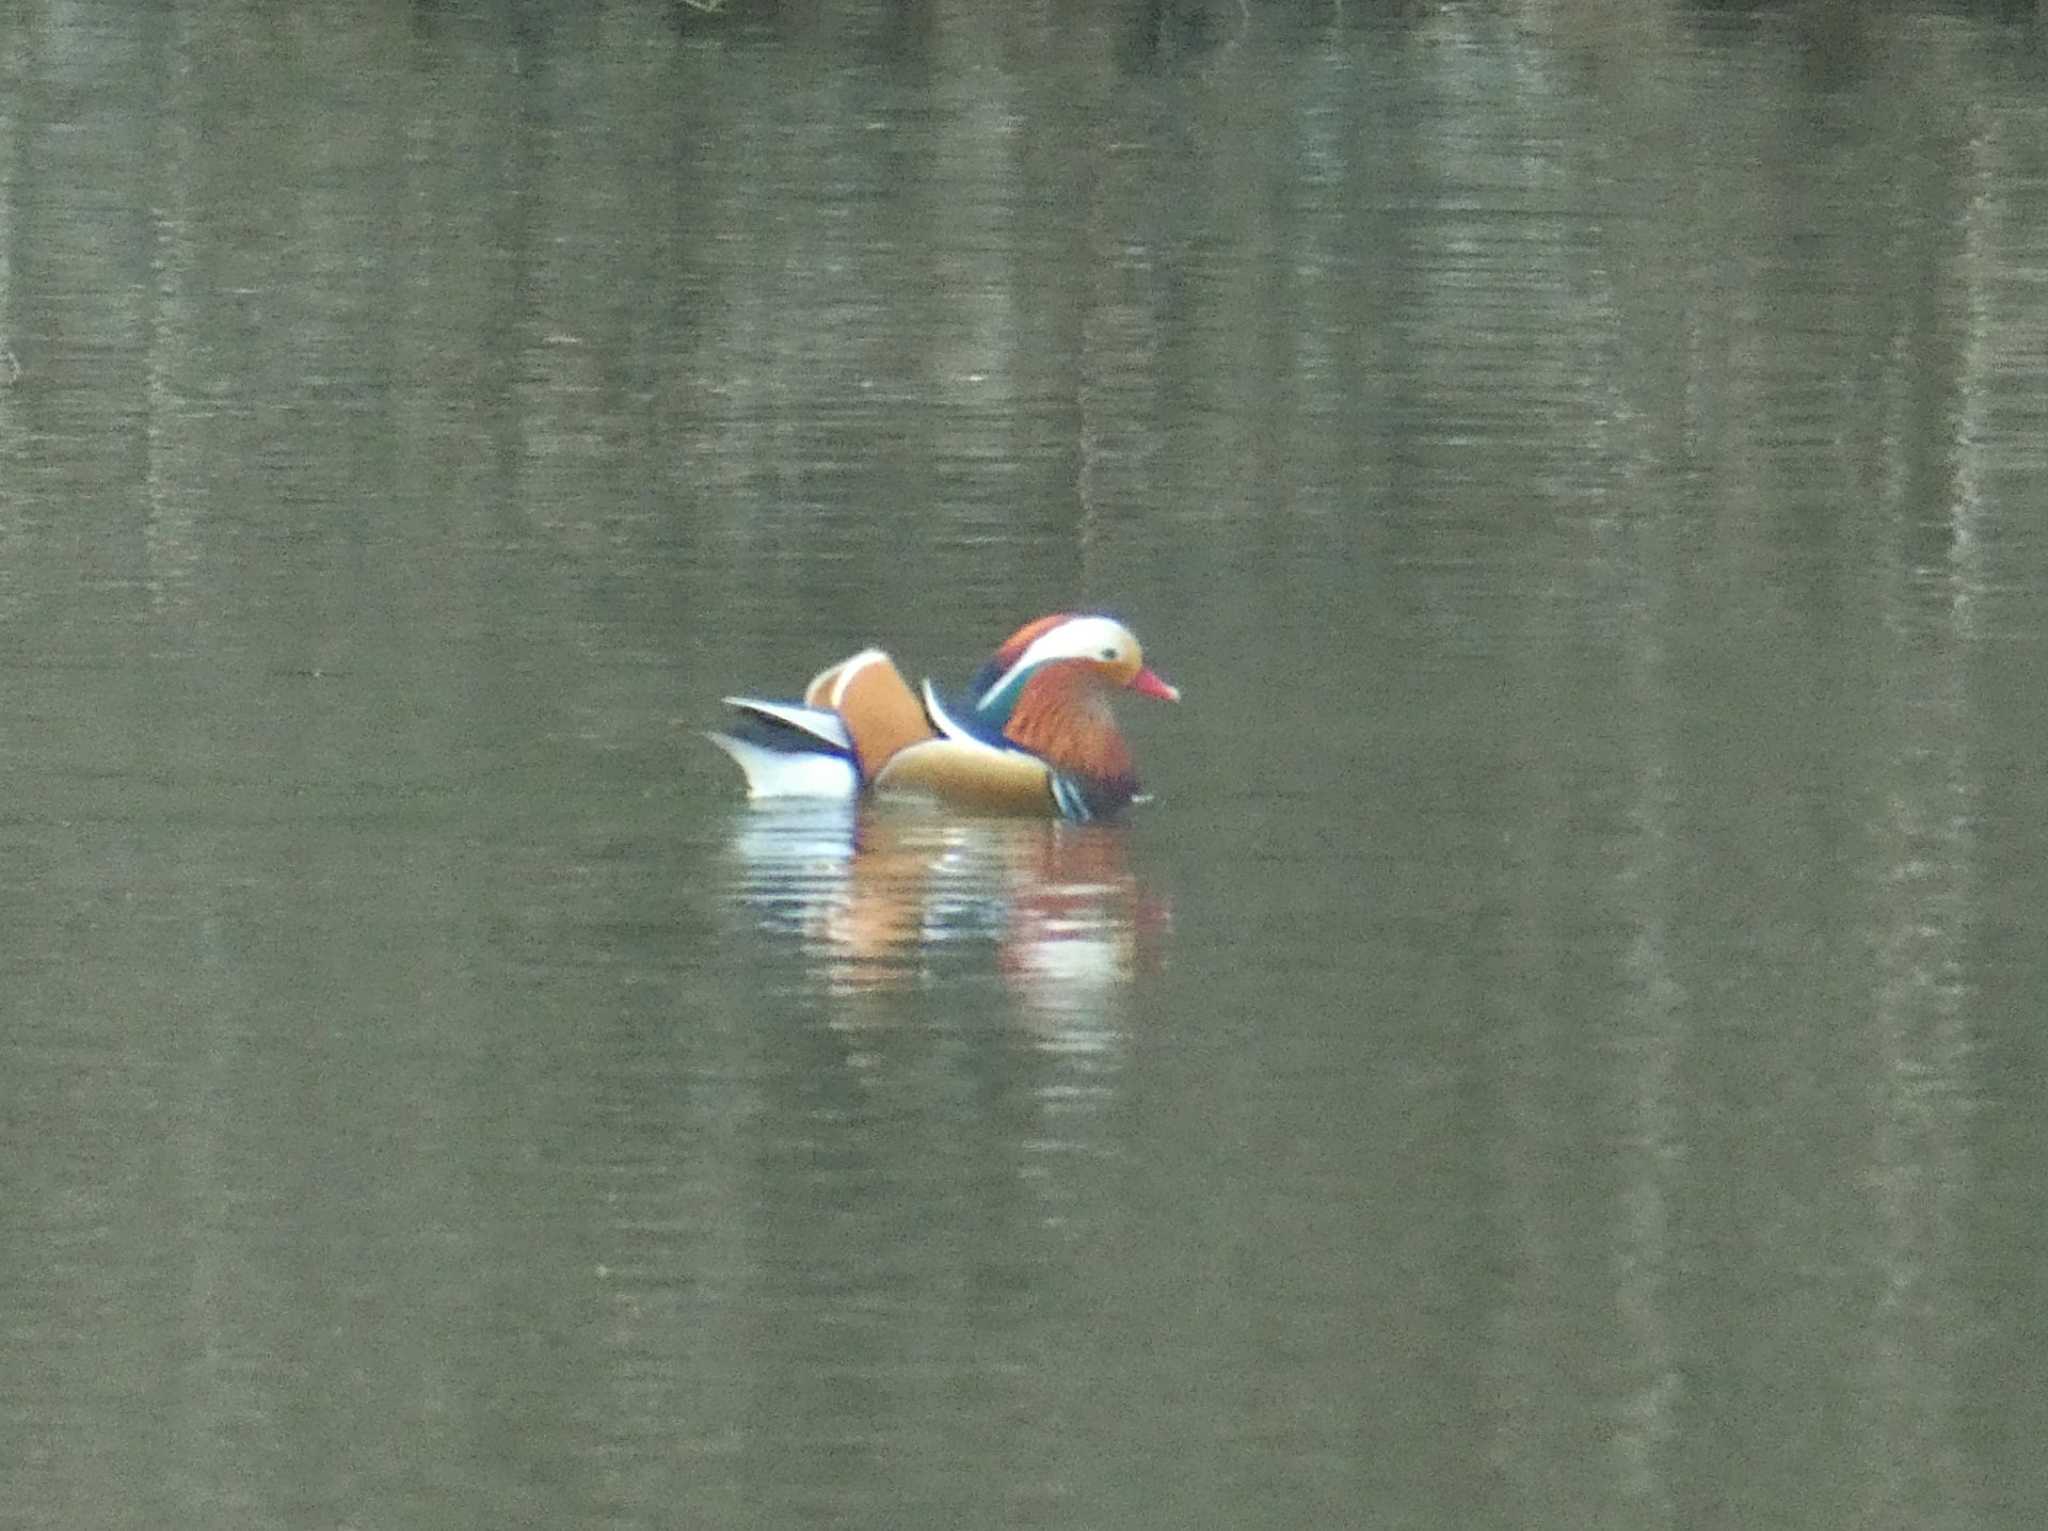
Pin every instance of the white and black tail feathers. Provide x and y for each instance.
(789, 750)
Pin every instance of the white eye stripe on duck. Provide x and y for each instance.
(1102, 639)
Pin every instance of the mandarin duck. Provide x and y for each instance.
(1033, 734)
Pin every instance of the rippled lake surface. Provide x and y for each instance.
(1565, 1045)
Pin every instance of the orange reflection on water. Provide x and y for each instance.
(885, 898)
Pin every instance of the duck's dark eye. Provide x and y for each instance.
(1109, 654)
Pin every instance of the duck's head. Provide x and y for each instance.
(1096, 647)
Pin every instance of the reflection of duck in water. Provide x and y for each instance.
(1081, 922)
(882, 899)
(1034, 733)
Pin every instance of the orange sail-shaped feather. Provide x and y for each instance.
(881, 713)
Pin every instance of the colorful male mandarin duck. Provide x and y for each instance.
(1034, 733)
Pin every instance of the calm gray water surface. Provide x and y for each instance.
(1564, 1048)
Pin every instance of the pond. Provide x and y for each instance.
(1562, 1044)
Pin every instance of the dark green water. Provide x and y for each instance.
(1565, 1046)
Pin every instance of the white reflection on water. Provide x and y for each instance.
(883, 900)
